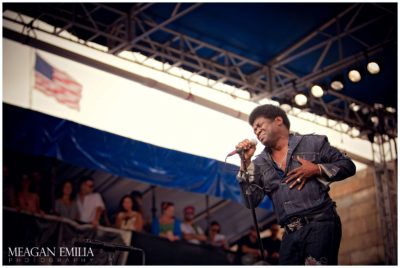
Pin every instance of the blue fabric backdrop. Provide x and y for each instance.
(36, 133)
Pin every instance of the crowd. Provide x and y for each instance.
(87, 207)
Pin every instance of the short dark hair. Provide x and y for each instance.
(85, 179)
(213, 223)
(270, 112)
(135, 194)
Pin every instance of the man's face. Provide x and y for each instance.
(266, 130)
(189, 215)
(87, 187)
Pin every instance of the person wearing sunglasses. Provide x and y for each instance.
(191, 232)
(90, 204)
(215, 237)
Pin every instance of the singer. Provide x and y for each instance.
(295, 172)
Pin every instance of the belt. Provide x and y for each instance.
(296, 223)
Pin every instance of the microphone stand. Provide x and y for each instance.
(253, 211)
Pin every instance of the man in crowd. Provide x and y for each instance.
(191, 231)
(272, 245)
(249, 249)
(90, 205)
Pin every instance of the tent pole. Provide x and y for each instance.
(208, 210)
(153, 202)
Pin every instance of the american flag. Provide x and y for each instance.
(56, 83)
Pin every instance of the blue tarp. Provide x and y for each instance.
(39, 134)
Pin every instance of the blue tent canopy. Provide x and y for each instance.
(35, 133)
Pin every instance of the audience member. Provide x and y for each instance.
(127, 218)
(9, 193)
(167, 225)
(137, 198)
(66, 206)
(215, 237)
(43, 187)
(28, 201)
(90, 205)
(36, 181)
(272, 244)
(249, 249)
(191, 232)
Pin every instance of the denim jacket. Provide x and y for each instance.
(287, 202)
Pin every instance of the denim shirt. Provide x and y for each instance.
(265, 180)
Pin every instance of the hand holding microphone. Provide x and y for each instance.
(248, 147)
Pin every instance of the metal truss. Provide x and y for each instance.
(323, 39)
(134, 29)
(385, 167)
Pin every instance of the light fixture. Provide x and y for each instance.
(378, 106)
(365, 110)
(286, 107)
(337, 83)
(300, 99)
(375, 120)
(317, 91)
(373, 67)
(285, 103)
(355, 107)
(355, 132)
(354, 75)
(391, 110)
(344, 127)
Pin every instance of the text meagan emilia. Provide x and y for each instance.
(50, 252)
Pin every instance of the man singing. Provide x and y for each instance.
(295, 172)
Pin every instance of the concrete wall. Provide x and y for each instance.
(357, 206)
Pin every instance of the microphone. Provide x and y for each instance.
(253, 142)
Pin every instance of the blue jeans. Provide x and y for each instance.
(316, 243)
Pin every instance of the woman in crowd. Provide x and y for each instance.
(27, 200)
(127, 218)
(167, 225)
(66, 205)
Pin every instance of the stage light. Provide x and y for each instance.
(300, 99)
(286, 103)
(391, 110)
(355, 107)
(354, 75)
(365, 110)
(373, 67)
(286, 107)
(344, 127)
(355, 132)
(337, 83)
(375, 120)
(317, 91)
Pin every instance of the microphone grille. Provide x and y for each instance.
(254, 141)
